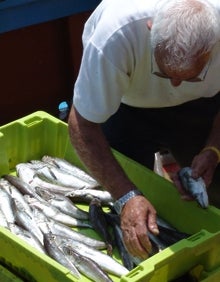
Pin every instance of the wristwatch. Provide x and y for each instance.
(118, 205)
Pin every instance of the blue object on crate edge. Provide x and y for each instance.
(15, 14)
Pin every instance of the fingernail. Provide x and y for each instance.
(155, 230)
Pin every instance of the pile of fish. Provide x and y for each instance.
(39, 205)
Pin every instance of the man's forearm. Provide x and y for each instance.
(94, 151)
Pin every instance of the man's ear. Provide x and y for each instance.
(149, 24)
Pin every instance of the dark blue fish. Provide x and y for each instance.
(114, 221)
(98, 221)
(195, 187)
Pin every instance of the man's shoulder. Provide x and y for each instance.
(215, 3)
(122, 11)
(114, 17)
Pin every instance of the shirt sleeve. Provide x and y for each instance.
(99, 87)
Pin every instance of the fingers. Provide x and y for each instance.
(204, 165)
(152, 224)
(137, 242)
(137, 218)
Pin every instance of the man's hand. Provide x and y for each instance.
(203, 165)
(137, 218)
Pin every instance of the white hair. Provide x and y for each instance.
(184, 29)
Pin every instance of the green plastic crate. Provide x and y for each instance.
(8, 276)
(41, 134)
(213, 276)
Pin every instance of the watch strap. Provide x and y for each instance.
(119, 204)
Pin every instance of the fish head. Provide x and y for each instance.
(202, 199)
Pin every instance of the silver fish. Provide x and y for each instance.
(28, 175)
(38, 164)
(48, 225)
(25, 173)
(71, 168)
(21, 185)
(56, 253)
(27, 236)
(87, 266)
(15, 193)
(41, 220)
(86, 195)
(60, 229)
(27, 221)
(63, 203)
(196, 187)
(106, 262)
(54, 213)
(6, 205)
(3, 220)
(57, 176)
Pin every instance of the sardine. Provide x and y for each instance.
(87, 266)
(54, 188)
(106, 262)
(56, 214)
(38, 164)
(6, 205)
(15, 193)
(86, 195)
(56, 253)
(21, 185)
(56, 176)
(196, 187)
(26, 220)
(27, 236)
(71, 168)
(60, 229)
(41, 220)
(25, 173)
(99, 223)
(28, 175)
(3, 221)
(63, 203)
(51, 173)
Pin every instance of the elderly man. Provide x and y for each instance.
(149, 78)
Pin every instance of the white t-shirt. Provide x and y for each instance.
(116, 64)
